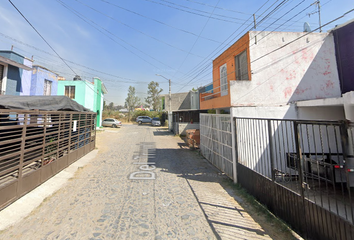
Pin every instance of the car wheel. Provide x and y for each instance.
(114, 126)
(139, 122)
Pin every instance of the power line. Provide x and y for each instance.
(160, 22)
(41, 36)
(94, 23)
(145, 34)
(221, 45)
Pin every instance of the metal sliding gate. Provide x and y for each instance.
(216, 141)
(36, 145)
(303, 171)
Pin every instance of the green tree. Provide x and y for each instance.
(131, 101)
(153, 98)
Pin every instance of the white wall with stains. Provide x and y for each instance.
(303, 70)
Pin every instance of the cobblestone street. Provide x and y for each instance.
(117, 195)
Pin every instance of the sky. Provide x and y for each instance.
(127, 42)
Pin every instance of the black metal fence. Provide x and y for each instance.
(303, 171)
(36, 145)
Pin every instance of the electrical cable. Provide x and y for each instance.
(160, 22)
(145, 34)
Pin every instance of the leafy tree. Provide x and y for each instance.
(153, 95)
(131, 101)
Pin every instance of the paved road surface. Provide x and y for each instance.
(117, 195)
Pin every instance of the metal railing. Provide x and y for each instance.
(302, 170)
(216, 141)
(214, 93)
(35, 145)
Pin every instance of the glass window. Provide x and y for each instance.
(70, 91)
(241, 65)
(223, 80)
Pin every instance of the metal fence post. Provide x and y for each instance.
(271, 153)
(234, 149)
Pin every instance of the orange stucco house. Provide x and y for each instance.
(232, 64)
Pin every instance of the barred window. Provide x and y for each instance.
(241, 64)
(70, 91)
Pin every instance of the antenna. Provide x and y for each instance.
(307, 27)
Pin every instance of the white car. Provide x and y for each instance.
(111, 122)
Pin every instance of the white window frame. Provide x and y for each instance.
(223, 80)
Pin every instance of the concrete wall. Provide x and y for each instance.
(299, 71)
(180, 101)
(39, 75)
(181, 127)
(291, 112)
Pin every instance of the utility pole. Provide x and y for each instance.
(170, 100)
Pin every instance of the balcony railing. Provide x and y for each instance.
(214, 92)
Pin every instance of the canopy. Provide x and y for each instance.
(43, 103)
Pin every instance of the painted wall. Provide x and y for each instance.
(39, 75)
(13, 84)
(300, 71)
(228, 58)
(344, 38)
(87, 94)
(13, 56)
(26, 78)
(80, 91)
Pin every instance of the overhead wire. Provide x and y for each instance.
(223, 44)
(43, 38)
(160, 22)
(196, 39)
(269, 32)
(92, 23)
(143, 33)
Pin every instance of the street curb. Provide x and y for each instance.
(26, 204)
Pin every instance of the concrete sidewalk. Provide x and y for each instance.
(26, 204)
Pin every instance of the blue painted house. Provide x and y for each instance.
(43, 82)
(15, 74)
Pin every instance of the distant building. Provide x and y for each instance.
(15, 74)
(89, 94)
(44, 82)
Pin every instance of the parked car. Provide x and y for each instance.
(111, 122)
(143, 119)
(155, 121)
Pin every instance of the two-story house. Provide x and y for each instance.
(15, 74)
(88, 94)
(264, 73)
(43, 82)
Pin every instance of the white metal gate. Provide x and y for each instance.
(216, 141)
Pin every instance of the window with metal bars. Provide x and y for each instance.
(70, 91)
(241, 64)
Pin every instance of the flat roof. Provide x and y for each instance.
(13, 63)
(326, 102)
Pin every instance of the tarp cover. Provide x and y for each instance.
(43, 103)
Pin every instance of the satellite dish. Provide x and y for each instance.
(307, 27)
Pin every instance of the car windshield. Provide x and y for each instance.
(156, 119)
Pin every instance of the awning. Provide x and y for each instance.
(13, 63)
